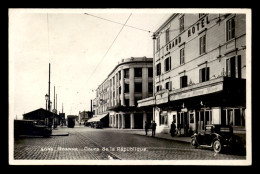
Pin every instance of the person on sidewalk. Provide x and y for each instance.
(153, 127)
(173, 128)
(146, 126)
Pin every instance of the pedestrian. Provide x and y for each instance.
(179, 128)
(173, 128)
(146, 126)
(153, 126)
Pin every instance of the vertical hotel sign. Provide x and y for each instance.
(197, 27)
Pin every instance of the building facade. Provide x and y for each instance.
(84, 116)
(131, 80)
(199, 72)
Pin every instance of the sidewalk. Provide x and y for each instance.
(158, 135)
(59, 132)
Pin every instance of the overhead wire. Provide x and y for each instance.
(109, 47)
(118, 23)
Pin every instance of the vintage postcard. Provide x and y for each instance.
(130, 87)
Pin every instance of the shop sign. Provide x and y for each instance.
(200, 25)
(146, 103)
(173, 43)
(162, 98)
(193, 93)
(184, 110)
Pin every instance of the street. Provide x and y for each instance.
(85, 143)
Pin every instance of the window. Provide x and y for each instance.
(138, 72)
(158, 69)
(126, 75)
(150, 72)
(114, 80)
(138, 87)
(150, 87)
(119, 75)
(127, 102)
(167, 64)
(167, 35)
(158, 43)
(119, 90)
(181, 23)
(163, 118)
(168, 85)
(230, 29)
(191, 118)
(158, 88)
(233, 67)
(203, 44)
(126, 88)
(204, 74)
(183, 81)
(182, 56)
(234, 117)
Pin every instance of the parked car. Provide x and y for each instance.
(30, 127)
(218, 137)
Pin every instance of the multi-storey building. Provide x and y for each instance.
(130, 80)
(200, 72)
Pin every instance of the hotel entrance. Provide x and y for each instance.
(182, 123)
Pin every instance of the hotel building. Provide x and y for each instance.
(131, 80)
(199, 72)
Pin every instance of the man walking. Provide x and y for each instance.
(146, 126)
(153, 126)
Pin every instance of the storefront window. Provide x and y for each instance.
(163, 118)
(191, 118)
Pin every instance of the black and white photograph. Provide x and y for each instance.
(129, 86)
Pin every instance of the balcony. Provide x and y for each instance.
(233, 92)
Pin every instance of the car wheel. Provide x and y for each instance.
(217, 146)
(194, 143)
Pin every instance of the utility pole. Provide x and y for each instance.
(54, 99)
(49, 107)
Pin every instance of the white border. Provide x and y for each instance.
(246, 162)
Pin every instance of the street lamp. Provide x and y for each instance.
(46, 98)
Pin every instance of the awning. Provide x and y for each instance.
(97, 117)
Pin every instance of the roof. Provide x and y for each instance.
(40, 109)
(97, 117)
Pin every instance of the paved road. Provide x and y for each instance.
(99, 144)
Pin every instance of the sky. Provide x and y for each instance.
(78, 47)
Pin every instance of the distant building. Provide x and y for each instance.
(200, 72)
(84, 116)
(42, 116)
(130, 81)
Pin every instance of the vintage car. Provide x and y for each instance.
(218, 137)
(30, 127)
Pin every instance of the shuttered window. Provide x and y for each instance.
(158, 69)
(182, 56)
(230, 29)
(233, 67)
(204, 74)
(203, 44)
(183, 81)
(167, 64)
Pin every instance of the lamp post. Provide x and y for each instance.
(46, 118)
(46, 98)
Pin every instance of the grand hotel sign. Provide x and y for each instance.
(197, 27)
